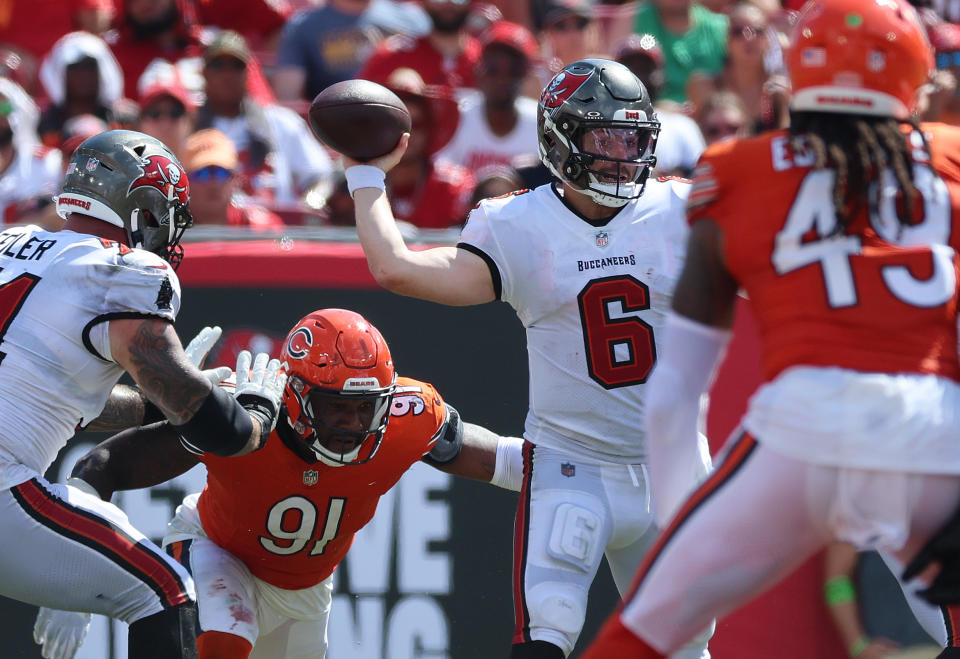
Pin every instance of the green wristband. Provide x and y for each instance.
(839, 590)
(859, 646)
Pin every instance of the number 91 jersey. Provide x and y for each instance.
(876, 298)
(593, 300)
(291, 521)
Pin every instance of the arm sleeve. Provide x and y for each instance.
(685, 369)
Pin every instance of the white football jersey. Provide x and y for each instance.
(593, 301)
(56, 368)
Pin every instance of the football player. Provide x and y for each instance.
(589, 263)
(79, 307)
(844, 232)
(263, 538)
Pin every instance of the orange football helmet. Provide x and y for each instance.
(859, 57)
(340, 384)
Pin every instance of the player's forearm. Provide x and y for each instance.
(134, 459)
(126, 407)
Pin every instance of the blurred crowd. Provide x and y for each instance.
(227, 85)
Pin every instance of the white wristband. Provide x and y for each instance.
(508, 472)
(365, 176)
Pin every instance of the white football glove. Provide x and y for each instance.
(198, 349)
(260, 388)
(60, 633)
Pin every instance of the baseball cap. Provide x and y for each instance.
(209, 147)
(167, 88)
(557, 9)
(512, 35)
(228, 43)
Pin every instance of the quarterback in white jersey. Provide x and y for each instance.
(77, 309)
(588, 263)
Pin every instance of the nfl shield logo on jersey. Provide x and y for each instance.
(603, 239)
(311, 476)
(568, 469)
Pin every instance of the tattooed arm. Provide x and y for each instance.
(150, 351)
(125, 408)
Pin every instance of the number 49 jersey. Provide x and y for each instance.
(57, 292)
(593, 301)
(291, 522)
(875, 298)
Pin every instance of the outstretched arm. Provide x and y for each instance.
(472, 451)
(441, 274)
(134, 459)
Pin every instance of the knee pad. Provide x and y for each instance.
(575, 537)
(221, 645)
(169, 634)
(557, 611)
(536, 650)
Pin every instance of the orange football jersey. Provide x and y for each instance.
(291, 521)
(876, 298)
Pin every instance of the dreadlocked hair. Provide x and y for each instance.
(859, 148)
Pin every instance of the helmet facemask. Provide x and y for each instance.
(598, 131)
(611, 160)
(161, 237)
(337, 425)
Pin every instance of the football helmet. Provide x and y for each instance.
(340, 384)
(133, 181)
(859, 57)
(597, 130)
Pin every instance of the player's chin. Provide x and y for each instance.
(341, 444)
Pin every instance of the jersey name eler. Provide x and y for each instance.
(629, 259)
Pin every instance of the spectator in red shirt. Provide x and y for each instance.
(31, 28)
(425, 193)
(153, 29)
(447, 55)
(259, 21)
(210, 160)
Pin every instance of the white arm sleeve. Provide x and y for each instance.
(685, 370)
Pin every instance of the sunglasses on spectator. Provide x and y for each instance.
(946, 60)
(211, 174)
(449, 2)
(226, 63)
(721, 129)
(505, 67)
(745, 32)
(574, 23)
(175, 112)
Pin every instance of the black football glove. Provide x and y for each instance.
(943, 548)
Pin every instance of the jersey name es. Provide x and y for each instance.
(877, 297)
(593, 301)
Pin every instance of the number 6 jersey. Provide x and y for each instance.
(57, 292)
(593, 300)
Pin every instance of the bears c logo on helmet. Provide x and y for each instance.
(160, 172)
(561, 88)
(299, 344)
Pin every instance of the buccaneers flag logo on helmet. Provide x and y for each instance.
(161, 173)
(561, 88)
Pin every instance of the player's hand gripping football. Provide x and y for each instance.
(198, 349)
(60, 633)
(260, 388)
(387, 162)
(943, 549)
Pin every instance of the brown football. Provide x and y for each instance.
(359, 118)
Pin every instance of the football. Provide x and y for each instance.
(359, 118)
